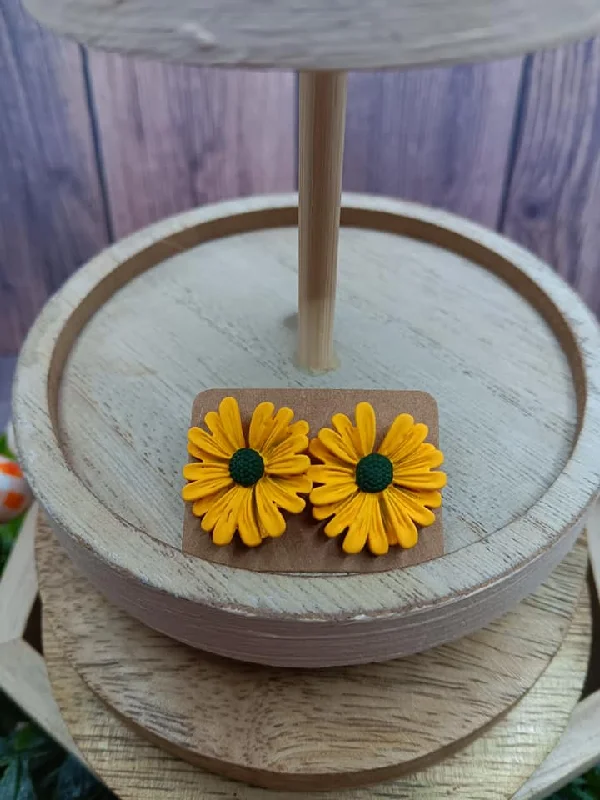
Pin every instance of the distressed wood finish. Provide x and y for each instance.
(212, 711)
(174, 137)
(554, 188)
(23, 675)
(493, 766)
(51, 213)
(576, 752)
(519, 433)
(438, 136)
(18, 588)
(313, 34)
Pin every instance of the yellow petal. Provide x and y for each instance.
(231, 420)
(396, 433)
(195, 451)
(219, 508)
(388, 518)
(260, 425)
(279, 431)
(378, 543)
(206, 444)
(199, 489)
(426, 456)
(226, 524)
(324, 495)
(411, 502)
(348, 432)
(399, 528)
(333, 481)
(326, 511)
(299, 428)
(224, 530)
(290, 465)
(321, 473)
(430, 499)
(285, 496)
(291, 445)
(365, 422)
(214, 423)
(301, 484)
(421, 480)
(205, 470)
(247, 524)
(356, 538)
(336, 445)
(344, 514)
(317, 449)
(270, 518)
(411, 441)
(201, 506)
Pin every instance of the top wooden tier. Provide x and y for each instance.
(320, 34)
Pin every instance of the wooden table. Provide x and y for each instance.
(135, 768)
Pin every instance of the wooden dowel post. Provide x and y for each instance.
(322, 118)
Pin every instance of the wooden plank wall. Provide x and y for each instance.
(94, 146)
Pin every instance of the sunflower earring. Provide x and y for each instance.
(377, 497)
(238, 485)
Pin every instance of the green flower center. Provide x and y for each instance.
(374, 473)
(246, 467)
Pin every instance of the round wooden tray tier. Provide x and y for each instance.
(320, 34)
(426, 301)
(308, 729)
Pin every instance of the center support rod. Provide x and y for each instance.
(321, 149)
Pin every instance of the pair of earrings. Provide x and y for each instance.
(242, 483)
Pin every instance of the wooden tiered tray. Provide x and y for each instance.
(305, 729)
(426, 301)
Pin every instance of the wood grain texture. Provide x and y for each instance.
(554, 192)
(511, 512)
(174, 138)
(51, 214)
(321, 149)
(212, 711)
(491, 767)
(313, 34)
(23, 675)
(438, 136)
(577, 751)
(18, 587)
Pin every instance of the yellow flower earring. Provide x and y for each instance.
(239, 485)
(377, 497)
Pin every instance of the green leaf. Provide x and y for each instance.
(75, 782)
(4, 451)
(16, 782)
(26, 737)
(592, 780)
(9, 785)
(26, 790)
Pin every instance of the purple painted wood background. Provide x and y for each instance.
(93, 146)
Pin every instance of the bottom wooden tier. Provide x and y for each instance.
(499, 764)
(291, 729)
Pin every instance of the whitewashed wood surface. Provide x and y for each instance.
(216, 711)
(492, 767)
(516, 382)
(320, 34)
